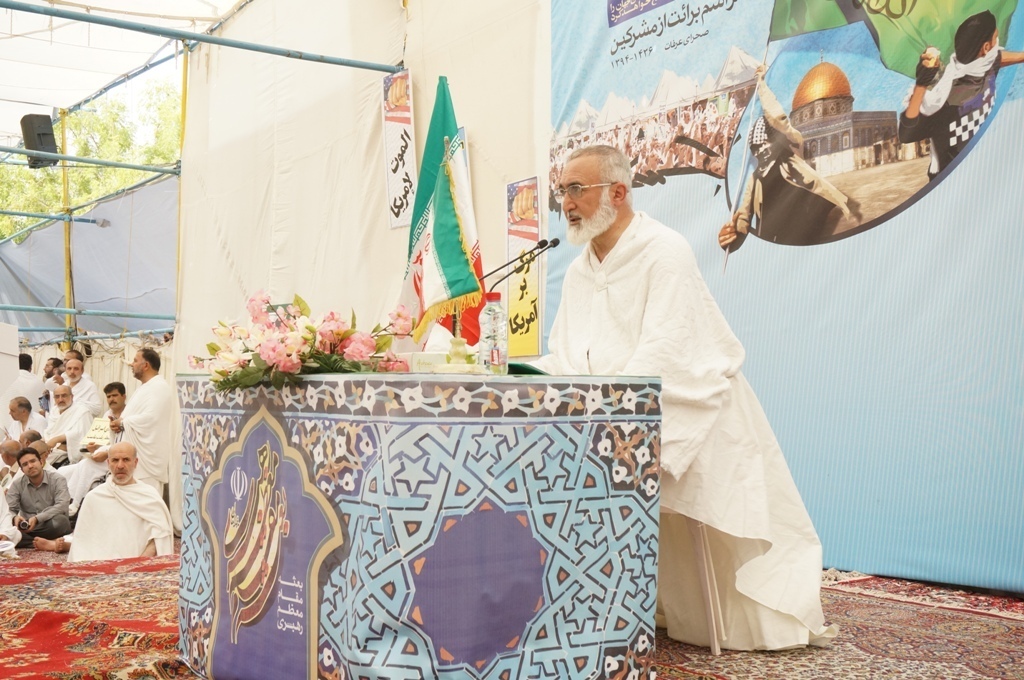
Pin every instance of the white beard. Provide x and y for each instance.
(595, 225)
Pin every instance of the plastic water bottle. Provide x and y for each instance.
(494, 335)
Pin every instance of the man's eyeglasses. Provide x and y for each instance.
(574, 191)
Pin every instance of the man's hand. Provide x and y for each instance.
(91, 447)
(928, 67)
(58, 378)
(18, 519)
(729, 236)
(32, 523)
(115, 424)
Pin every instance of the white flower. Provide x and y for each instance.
(611, 664)
(412, 398)
(604, 447)
(509, 400)
(369, 398)
(348, 482)
(643, 643)
(208, 615)
(629, 400)
(619, 473)
(462, 399)
(643, 455)
(651, 487)
(593, 400)
(552, 398)
(327, 657)
(633, 675)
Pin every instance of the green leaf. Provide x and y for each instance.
(212, 348)
(353, 324)
(258, 362)
(376, 329)
(277, 379)
(348, 334)
(301, 304)
(384, 343)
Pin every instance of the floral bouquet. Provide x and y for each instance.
(282, 342)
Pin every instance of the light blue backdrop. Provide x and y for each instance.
(891, 363)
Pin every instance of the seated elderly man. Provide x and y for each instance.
(69, 421)
(39, 500)
(29, 436)
(23, 417)
(120, 518)
(9, 451)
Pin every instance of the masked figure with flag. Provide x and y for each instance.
(790, 200)
(949, 109)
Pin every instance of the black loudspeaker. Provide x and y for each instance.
(37, 131)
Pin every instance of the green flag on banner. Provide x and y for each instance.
(902, 30)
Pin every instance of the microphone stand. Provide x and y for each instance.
(528, 258)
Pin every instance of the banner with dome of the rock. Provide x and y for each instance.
(861, 162)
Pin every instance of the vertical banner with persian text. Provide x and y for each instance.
(399, 148)
(524, 324)
(861, 161)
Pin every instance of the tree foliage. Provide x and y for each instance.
(105, 130)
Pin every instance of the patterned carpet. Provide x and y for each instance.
(119, 620)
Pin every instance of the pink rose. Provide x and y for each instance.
(359, 347)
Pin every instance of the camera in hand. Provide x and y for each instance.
(23, 525)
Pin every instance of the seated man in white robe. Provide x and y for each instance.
(23, 417)
(118, 519)
(8, 531)
(9, 467)
(93, 465)
(27, 384)
(69, 421)
(634, 304)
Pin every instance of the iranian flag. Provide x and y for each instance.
(902, 30)
(443, 275)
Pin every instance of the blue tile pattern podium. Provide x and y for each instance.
(412, 526)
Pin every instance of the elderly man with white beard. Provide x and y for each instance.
(634, 303)
(69, 422)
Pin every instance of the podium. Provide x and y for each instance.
(418, 526)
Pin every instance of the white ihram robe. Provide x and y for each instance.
(74, 423)
(147, 426)
(118, 521)
(646, 311)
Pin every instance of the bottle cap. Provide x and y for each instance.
(493, 296)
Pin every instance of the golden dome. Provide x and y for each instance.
(822, 81)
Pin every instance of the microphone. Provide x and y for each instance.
(543, 243)
(528, 258)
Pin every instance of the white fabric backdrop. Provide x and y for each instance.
(283, 185)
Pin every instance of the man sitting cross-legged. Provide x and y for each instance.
(40, 499)
(120, 518)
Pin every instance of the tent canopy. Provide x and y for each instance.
(49, 63)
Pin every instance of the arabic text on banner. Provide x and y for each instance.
(523, 299)
(399, 148)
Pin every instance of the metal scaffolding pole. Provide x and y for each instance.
(176, 170)
(86, 312)
(197, 37)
